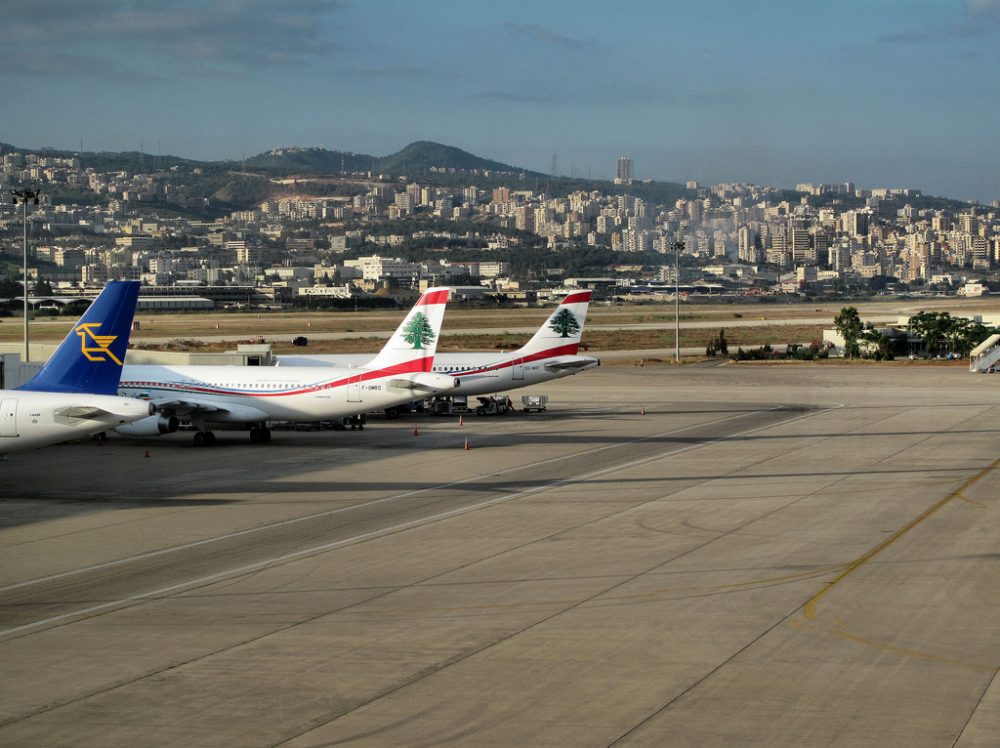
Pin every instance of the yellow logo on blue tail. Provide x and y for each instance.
(100, 341)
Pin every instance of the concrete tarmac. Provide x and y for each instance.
(730, 555)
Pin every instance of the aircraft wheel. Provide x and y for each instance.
(255, 435)
(209, 438)
(200, 439)
(265, 434)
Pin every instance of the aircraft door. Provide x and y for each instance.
(354, 389)
(517, 371)
(8, 417)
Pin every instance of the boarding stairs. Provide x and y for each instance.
(985, 357)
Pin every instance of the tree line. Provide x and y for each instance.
(940, 332)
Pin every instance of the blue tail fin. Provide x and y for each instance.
(90, 358)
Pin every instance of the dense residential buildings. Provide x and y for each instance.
(736, 238)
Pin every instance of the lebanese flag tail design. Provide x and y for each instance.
(564, 327)
(416, 338)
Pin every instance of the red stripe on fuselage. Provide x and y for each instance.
(563, 350)
(408, 367)
(437, 297)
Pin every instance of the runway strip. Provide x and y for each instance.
(37, 600)
(649, 592)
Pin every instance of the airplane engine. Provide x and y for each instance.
(152, 426)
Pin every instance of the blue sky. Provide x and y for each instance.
(881, 92)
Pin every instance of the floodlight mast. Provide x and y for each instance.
(678, 248)
(23, 196)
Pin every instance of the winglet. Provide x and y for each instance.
(90, 357)
(412, 346)
(563, 329)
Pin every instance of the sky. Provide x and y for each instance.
(884, 93)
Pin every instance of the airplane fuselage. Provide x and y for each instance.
(480, 373)
(249, 394)
(35, 419)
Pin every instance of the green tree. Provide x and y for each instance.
(418, 332)
(877, 344)
(848, 324)
(718, 345)
(933, 327)
(9, 288)
(964, 335)
(939, 329)
(564, 323)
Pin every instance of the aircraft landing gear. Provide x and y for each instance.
(260, 434)
(204, 439)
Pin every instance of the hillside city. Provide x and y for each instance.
(203, 235)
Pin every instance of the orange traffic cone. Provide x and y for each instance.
(466, 445)
(146, 453)
(642, 410)
(416, 431)
(461, 420)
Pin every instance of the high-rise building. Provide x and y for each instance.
(749, 248)
(624, 171)
(855, 223)
(801, 244)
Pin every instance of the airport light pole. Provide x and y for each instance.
(678, 246)
(24, 196)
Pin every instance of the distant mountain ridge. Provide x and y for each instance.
(424, 155)
(416, 158)
(295, 158)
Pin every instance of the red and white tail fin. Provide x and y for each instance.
(412, 346)
(561, 333)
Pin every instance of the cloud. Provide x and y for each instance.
(507, 97)
(59, 63)
(982, 7)
(906, 37)
(237, 36)
(545, 35)
(982, 19)
(391, 71)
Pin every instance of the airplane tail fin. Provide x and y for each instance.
(561, 333)
(91, 356)
(412, 346)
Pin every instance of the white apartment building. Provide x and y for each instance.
(375, 267)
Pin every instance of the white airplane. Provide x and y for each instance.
(550, 354)
(75, 393)
(250, 396)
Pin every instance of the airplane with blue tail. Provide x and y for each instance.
(75, 394)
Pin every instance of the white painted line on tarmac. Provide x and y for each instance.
(353, 507)
(325, 547)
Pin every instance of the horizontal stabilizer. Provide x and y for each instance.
(425, 382)
(82, 412)
(577, 363)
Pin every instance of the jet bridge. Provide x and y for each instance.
(985, 357)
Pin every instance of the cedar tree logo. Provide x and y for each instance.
(564, 323)
(418, 332)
